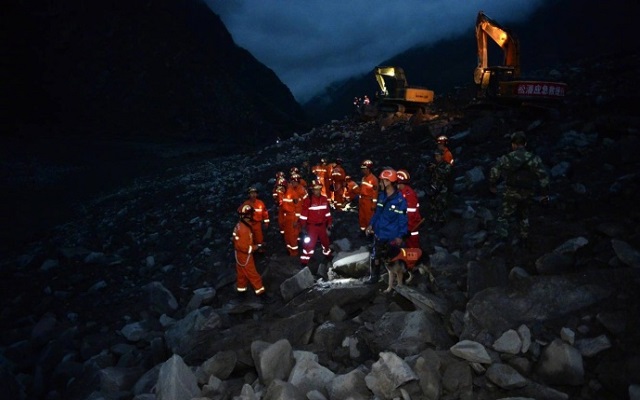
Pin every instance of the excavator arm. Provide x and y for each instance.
(487, 28)
(396, 73)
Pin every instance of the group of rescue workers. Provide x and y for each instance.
(388, 207)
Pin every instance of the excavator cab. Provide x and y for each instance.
(502, 82)
(395, 93)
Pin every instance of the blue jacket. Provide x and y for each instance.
(390, 219)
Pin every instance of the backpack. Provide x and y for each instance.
(521, 175)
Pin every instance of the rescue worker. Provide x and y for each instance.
(244, 248)
(279, 176)
(328, 181)
(439, 190)
(305, 171)
(338, 175)
(315, 222)
(296, 171)
(279, 190)
(443, 143)
(320, 172)
(351, 189)
(291, 208)
(414, 218)
(367, 194)
(523, 173)
(388, 225)
(260, 216)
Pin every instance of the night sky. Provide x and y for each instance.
(312, 43)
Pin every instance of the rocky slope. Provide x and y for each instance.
(135, 298)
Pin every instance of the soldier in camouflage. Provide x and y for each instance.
(523, 173)
(439, 191)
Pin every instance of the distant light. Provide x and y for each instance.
(306, 239)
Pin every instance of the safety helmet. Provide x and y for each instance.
(518, 137)
(252, 189)
(442, 139)
(347, 178)
(279, 174)
(403, 176)
(389, 174)
(294, 170)
(316, 184)
(367, 164)
(339, 160)
(246, 211)
(281, 183)
(323, 160)
(295, 177)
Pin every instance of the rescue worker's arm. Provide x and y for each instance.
(494, 174)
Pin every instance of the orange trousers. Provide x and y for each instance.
(291, 233)
(246, 273)
(366, 208)
(256, 229)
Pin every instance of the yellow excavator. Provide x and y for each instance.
(503, 82)
(395, 93)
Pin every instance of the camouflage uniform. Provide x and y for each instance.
(522, 171)
(440, 191)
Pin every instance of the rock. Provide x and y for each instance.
(509, 342)
(183, 336)
(307, 375)
(408, 333)
(272, 361)
(427, 368)
(525, 337)
(220, 365)
(591, 346)
(296, 284)
(134, 331)
(280, 390)
(159, 298)
(571, 245)
(388, 374)
(471, 351)
(350, 385)
(554, 263)
(568, 335)
(119, 379)
(505, 376)
(176, 381)
(626, 253)
(561, 364)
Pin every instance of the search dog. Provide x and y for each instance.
(405, 260)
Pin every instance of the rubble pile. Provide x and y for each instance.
(136, 299)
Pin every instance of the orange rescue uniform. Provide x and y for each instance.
(260, 215)
(291, 209)
(245, 266)
(368, 198)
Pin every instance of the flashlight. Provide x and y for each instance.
(306, 239)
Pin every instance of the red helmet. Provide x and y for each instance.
(442, 139)
(389, 174)
(316, 184)
(279, 174)
(294, 170)
(403, 176)
(281, 182)
(367, 164)
(295, 177)
(252, 189)
(246, 211)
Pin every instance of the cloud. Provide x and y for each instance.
(312, 43)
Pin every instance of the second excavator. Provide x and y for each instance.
(503, 82)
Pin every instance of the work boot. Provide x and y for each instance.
(374, 273)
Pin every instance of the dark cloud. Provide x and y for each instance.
(311, 43)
